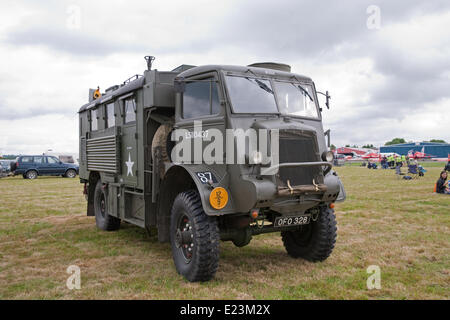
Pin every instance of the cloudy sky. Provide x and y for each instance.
(385, 63)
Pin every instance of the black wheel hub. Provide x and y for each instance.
(184, 238)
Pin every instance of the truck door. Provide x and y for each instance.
(129, 154)
(201, 105)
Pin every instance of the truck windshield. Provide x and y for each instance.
(296, 99)
(250, 95)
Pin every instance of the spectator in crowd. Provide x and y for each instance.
(442, 184)
(447, 166)
(384, 164)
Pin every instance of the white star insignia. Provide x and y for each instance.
(129, 164)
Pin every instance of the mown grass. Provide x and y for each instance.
(401, 226)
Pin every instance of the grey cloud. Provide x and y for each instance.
(9, 113)
(72, 42)
(316, 32)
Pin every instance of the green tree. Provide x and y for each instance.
(437, 141)
(395, 141)
(368, 146)
(332, 147)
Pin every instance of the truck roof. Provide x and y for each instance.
(192, 70)
(243, 69)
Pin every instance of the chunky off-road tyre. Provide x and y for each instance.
(31, 174)
(70, 173)
(103, 220)
(194, 237)
(315, 241)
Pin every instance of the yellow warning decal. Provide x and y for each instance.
(218, 198)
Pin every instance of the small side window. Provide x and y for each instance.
(200, 99)
(110, 120)
(94, 120)
(130, 110)
(26, 159)
(39, 160)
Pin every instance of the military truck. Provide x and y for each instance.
(130, 172)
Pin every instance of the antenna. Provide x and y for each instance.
(149, 60)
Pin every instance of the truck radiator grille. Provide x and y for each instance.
(299, 147)
(101, 154)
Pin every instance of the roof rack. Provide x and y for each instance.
(132, 78)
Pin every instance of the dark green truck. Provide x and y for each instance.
(258, 161)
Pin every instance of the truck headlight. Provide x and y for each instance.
(328, 156)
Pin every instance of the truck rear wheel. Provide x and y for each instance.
(315, 241)
(103, 220)
(194, 237)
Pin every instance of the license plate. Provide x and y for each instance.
(291, 221)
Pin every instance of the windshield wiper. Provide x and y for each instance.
(262, 85)
(303, 90)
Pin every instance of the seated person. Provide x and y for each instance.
(422, 171)
(442, 184)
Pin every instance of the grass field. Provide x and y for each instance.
(400, 226)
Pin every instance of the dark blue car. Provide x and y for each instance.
(30, 167)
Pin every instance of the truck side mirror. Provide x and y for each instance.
(328, 98)
(328, 135)
(179, 85)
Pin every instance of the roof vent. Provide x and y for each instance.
(182, 68)
(272, 65)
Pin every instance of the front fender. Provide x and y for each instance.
(335, 188)
(220, 179)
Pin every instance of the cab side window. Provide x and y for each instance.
(130, 110)
(94, 120)
(200, 98)
(110, 120)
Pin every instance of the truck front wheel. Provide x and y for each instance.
(103, 220)
(194, 237)
(315, 241)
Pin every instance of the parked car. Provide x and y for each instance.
(30, 167)
(6, 164)
(2, 171)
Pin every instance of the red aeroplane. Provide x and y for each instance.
(371, 156)
(419, 155)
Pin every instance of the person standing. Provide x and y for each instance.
(391, 161)
(398, 161)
